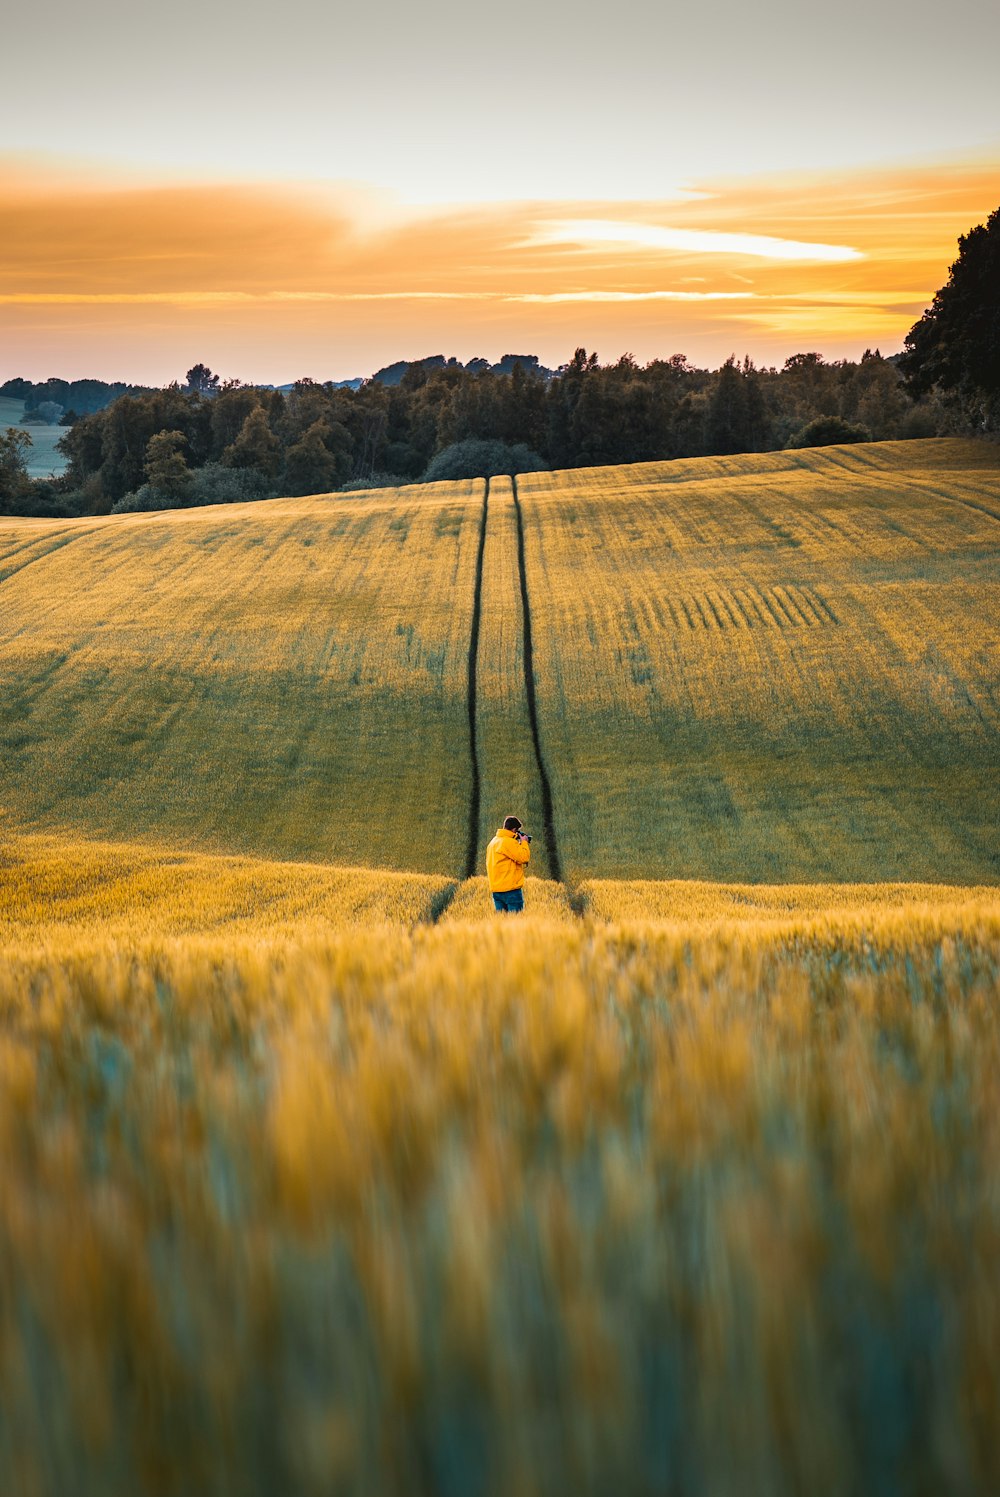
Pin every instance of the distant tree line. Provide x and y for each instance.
(207, 442)
(72, 397)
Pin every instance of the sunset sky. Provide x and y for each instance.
(320, 188)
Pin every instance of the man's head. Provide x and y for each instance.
(512, 824)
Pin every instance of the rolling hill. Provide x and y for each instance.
(288, 679)
(779, 668)
(775, 668)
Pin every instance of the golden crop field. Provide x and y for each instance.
(775, 668)
(765, 669)
(56, 893)
(319, 1178)
(705, 1202)
(287, 678)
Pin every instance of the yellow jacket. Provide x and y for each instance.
(505, 860)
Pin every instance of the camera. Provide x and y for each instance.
(523, 836)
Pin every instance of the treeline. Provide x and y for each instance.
(72, 397)
(203, 443)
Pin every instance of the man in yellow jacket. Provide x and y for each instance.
(506, 858)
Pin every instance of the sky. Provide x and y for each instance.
(322, 188)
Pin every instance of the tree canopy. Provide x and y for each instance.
(955, 347)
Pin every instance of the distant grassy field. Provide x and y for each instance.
(303, 1191)
(43, 460)
(775, 668)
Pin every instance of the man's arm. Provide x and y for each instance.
(520, 852)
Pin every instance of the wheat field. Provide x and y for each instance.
(775, 668)
(769, 669)
(309, 1194)
(239, 678)
(320, 1178)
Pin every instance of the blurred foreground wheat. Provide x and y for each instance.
(523, 1206)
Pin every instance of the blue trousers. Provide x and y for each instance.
(510, 903)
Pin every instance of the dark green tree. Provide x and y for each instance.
(166, 466)
(201, 380)
(14, 447)
(726, 417)
(521, 404)
(256, 446)
(126, 427)
(736, 419)
(755, 415)
(310, 466)
(82, 444)
(955, 347)
(229, 411)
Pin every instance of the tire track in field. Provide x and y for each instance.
(446, 896)
(548, 815)
(981, 509)
(925, 486)
(475, 793)
(57, 543)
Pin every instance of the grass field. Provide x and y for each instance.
(43, 461)
(287, 678)
(769, 669)
(319, 1178)
(776, 668)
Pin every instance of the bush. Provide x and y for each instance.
(478, 458)
(212, 484)
(376, 481)
(829, 431)
(217, 484)
(87, 498)
(43, 499)
(920, 423)
(143, 500)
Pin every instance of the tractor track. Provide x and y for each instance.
(980, 509)
(60, 539)
(548, 814)
(445, 897)
(475, 793)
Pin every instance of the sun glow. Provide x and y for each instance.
(268, 282)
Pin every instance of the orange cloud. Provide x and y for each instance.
(128, 275)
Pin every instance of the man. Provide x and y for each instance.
(506, 857)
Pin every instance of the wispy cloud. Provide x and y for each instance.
(542, 298)
(584, 232)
